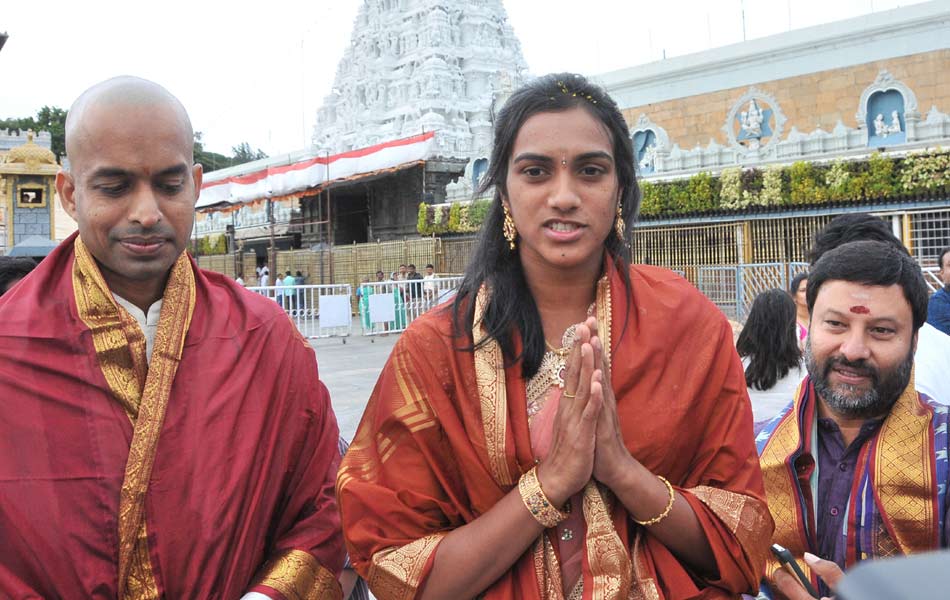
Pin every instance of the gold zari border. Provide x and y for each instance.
(298, 576)
(120, 351)
(608, 558)
(396, 573)
(745, 516)
(490, 377)
(903, 474)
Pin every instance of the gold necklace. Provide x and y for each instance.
(552, 369)
(562, 352)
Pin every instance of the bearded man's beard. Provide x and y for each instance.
(853, 401)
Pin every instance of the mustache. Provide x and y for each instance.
(159, 230)
(859, 366)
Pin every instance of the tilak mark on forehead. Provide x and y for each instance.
(860, 310)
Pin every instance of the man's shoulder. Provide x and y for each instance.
(941, 296)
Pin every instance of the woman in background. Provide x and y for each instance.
(797, 290)
(768, 346)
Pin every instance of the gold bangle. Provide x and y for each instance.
(536, 502)
(666, 511)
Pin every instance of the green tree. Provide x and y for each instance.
(209, 161)
(48, 118)
(53, 120)
(212, 161)
(243, 153)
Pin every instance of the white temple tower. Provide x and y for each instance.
(422, 65)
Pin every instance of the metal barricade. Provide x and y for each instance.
(932, 278)
(733, 288)
(318, 311)
(721, 285)
(390, 306)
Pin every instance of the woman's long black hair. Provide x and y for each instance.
(769, 339)
(511, 309)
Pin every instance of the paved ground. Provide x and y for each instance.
(350, 371)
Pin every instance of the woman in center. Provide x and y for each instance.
(571, 426)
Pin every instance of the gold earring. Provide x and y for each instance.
(618, 224)
(508, 228)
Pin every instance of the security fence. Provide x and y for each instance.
(733, 288)
(928, 233)
(317, 310)
(390, 306)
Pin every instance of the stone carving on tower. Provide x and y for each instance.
(422, 65)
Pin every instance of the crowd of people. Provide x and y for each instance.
(571, 425)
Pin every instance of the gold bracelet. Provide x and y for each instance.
(536, 502)
(666, 511)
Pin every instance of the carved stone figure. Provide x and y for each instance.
(751, 120)
(649, 157)
(882, 129)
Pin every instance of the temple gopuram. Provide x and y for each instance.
(411, 105)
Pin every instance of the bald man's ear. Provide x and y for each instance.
(197, 173)
(66, 188)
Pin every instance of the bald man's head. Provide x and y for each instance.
(132, 183)
(122, 92)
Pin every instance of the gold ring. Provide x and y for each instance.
(566, 395)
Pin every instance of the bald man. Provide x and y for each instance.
(163, 432)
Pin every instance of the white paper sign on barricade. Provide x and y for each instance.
(382, 308)
(334, 311)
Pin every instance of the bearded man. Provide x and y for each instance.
(163, 432)
(855, 467)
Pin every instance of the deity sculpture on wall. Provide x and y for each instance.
(648, 158)
(751, 120)
(882, 129)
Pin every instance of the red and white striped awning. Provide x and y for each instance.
(280, 180)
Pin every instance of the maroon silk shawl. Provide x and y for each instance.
(245, 462)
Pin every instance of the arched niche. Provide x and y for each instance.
(649, 141)
(887, 111)
(479, 168)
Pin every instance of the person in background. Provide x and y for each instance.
(12, 270)
(264, 277)
(856, 466)
(768, 346)
(429, 288)
(414, 291)
(300, 280)
(290, 293)
(571, 426)
(797, 290)
(932, 358)
(363, 292)
(399, 300)
(279, 291)
(135, 460)
(239, 280)
(938, 310)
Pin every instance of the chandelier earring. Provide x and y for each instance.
(618, 223)
(508, 228)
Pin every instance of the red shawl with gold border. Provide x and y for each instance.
(207, 472)
(445, 436)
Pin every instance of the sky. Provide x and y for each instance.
(258, 71)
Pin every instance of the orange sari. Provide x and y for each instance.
(445, 435)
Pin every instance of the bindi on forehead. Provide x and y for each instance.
(860, 309)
